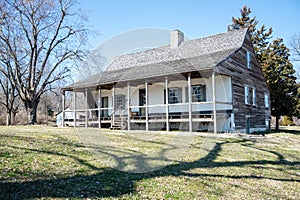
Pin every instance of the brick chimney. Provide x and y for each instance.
(177, 37)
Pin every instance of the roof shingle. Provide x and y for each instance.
(192, 55)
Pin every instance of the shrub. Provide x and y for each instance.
(287, 121)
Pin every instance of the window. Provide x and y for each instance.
(248, 60)
(253, 96)
(120, 101)
(198, 93)
(266, 100)
(174, 95)
(247, 96)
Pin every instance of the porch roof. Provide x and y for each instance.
(194, 55)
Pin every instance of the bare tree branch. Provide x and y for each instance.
(295, 44)
(39, 42)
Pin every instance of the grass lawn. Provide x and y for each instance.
(39, 162)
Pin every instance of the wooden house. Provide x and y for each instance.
(208, 84)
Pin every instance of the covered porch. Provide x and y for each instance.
(186, 101)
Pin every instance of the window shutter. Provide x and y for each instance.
(203, 93)
(180, 95)
(164, 96)
(123, 101)
(186, 94)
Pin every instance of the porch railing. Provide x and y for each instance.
(120, 114)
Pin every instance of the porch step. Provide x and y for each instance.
(118, 125)
(118, 121)
(115, 127)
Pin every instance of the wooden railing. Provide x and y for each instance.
(121, 117)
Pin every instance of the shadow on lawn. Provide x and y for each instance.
(108, 182)
(295, 132)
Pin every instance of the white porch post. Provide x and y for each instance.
(190, 103)
(113, 104)
(86, 108)
(99, 107)
(74, 105)
(128, 106)
(167, 106)
(213, 76)
(147, 117)
(63, 109)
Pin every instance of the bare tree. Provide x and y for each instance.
(9, 99)
(295, 44)
(40, 40)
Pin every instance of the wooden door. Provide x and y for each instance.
(142, 101)
(248, 124)
(104, 102)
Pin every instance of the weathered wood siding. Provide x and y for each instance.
(236, 67)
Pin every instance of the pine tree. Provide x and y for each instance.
(260, 37)
(279, 74)
(274, 59)
(244, 21)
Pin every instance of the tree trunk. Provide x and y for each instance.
(13, 118)
(31, 108)
(8, 119)
(277, 123)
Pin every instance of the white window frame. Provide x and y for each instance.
(248, 60)
(247, 96)
(120, 101)
(266, 100)
(254, 96)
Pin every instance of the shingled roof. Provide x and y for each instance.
(192, 55)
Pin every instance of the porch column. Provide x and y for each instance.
(167, 106)
(147, 117)
(63, 109)
(74, 105)
(86, 108)
(113, 104)
(128, 106)
(190, 103)
(99, 107)
(213, 77)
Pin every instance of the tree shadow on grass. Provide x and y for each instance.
(294, 132)
(108, 182)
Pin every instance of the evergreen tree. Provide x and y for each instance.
(279, 74)
(244, 21)
(274, 59)
(260, 37)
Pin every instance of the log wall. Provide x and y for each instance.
(235, 66)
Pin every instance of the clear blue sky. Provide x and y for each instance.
(196, 18)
